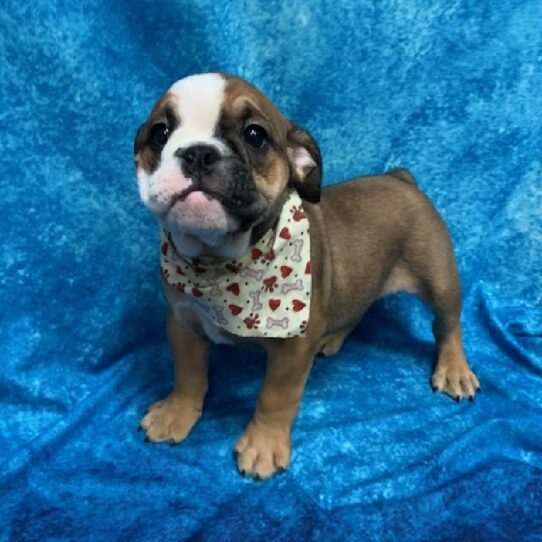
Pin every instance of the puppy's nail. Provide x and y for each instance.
(172, 442)
(281, 470)
(435, 388)
(457, 398)
(146, 439)
(243, 472)
(471, 398)
(139, 428)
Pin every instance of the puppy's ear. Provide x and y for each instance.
(305, 164)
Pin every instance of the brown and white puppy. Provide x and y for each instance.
(215, 162)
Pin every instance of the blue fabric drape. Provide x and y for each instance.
(449, 89)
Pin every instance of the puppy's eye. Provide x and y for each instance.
(159, 135)
(255, 135)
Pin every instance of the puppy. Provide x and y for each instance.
(254, 251)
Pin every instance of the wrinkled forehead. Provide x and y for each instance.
(199, 107)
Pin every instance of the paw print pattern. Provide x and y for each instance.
(252, 321)
(298, 213)
(269, 284)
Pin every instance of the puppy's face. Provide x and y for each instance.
(214, 160)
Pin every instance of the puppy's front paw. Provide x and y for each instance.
(456, 379)
(263, 451)
(170, 419)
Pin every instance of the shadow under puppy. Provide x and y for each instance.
(254, 251)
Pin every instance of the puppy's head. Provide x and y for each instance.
(214, 161)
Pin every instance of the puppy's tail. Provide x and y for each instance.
(403, 175)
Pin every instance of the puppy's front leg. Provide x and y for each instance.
(172, 418)
(264, 447)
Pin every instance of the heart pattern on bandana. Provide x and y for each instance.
(265, 293)
(233, 288)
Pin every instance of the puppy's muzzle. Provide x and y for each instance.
(198, 160)
(224, 178)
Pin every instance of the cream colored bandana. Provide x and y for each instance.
(265, 293)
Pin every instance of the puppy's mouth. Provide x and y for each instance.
(206, 215)
(210, 195)
(203, 208)
(199, 211)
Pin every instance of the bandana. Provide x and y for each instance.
(265, 293)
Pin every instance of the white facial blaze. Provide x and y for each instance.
(198, 108)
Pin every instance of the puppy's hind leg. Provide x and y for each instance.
(452, 375)
(440, 288)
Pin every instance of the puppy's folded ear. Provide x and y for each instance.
(305, 164)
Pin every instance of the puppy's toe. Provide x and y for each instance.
(246, 460)
(264, 466)
(469, 385)
(281, 459)
(147, 420)
(241, 444)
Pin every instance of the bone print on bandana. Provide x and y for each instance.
(265, 293)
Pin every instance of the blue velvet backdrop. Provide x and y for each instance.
(451, 89)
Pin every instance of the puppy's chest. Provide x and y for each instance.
(184, 309)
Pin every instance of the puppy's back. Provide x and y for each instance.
(369, 224)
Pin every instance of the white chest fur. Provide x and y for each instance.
(214, 333)
(181, 307)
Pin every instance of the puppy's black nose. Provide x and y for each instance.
(198, 159)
